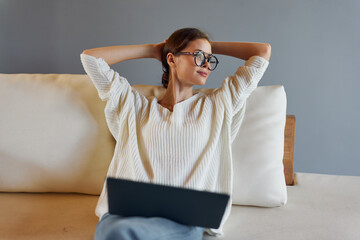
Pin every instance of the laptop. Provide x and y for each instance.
(182, 205)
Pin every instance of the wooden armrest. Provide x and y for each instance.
(289, 146)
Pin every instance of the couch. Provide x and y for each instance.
(55, 148)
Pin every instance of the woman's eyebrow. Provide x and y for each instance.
(203, 51)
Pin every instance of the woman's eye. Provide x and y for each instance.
(200, 55)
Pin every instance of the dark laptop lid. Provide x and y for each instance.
(185, 206)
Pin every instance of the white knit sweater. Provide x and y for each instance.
(189, 147)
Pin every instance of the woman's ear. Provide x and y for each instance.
(170, 58)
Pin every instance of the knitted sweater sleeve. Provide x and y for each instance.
(236, 89)
(111, 87)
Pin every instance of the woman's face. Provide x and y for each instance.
(184, 68)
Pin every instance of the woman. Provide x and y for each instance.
(181, 139)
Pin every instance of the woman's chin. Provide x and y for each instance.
(201, 82)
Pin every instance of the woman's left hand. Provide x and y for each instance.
(158, 47)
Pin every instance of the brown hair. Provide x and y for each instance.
(177, 41)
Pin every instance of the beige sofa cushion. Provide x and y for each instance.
(258, 150)
(44, 216)
(54, 136)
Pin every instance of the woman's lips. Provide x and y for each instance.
(204, 74)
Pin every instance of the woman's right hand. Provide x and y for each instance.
(158, 47)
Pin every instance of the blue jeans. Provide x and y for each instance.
(141, 228)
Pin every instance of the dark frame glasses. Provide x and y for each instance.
(200, 58)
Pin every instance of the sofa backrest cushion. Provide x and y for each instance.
(54, 138)
(258, 150)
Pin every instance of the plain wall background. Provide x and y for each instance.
(315, 52)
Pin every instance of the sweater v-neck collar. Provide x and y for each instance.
(184, 102)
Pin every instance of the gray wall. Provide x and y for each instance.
(315, 51)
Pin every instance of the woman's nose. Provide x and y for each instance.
(206, 64)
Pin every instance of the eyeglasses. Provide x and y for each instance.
(200, 58)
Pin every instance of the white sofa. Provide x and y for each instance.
(55, 148)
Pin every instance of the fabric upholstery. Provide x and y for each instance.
(55, 137)
(53, 134)
(320, 206)
(258, 150)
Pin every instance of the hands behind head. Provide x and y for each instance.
(158, 47)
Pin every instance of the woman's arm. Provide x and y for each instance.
(242, 50)
(116, 54)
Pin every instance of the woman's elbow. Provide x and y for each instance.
(86, 51)
(266, 52)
